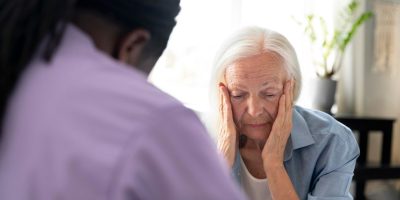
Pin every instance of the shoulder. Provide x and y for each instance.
(324, 127)
(335, 144)
(108, 84)
(334, 147)
(91, 90)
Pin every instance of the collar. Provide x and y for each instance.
(77, 42)
(300, 136)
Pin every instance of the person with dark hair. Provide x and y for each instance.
(79, 119)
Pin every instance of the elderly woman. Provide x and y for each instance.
(277, 150)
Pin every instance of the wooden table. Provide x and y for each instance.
(364, 171)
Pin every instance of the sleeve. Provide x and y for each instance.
(177, 160)
(335, 168)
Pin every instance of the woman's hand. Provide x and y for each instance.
(227, 133)
(273, 152)
(274, 148)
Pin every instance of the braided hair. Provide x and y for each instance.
(24, 24)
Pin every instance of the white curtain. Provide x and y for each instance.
(387, 37)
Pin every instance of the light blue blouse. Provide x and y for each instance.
(320, 156)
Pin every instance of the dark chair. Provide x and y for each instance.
(365, 171)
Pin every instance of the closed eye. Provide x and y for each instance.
(269, 95)
(237, 96)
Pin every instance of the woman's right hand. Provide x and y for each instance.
(227, 134)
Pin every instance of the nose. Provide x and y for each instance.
(254, 107)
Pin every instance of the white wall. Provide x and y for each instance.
(376, 93)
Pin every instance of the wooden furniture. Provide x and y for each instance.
(365, 171)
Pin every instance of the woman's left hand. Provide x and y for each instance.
(274, 149)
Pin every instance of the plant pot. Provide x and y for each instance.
(323, 94)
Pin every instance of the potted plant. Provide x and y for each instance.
(329, 46)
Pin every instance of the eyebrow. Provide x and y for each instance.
(272, 82)
(236, 86)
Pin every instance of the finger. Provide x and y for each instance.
(227, 103)
(292, 91)
(225, 94)
(289, 111)
(221, 102)
(289, 102)
(292, 96)
(287, 94)
(278, 123)
(228, 117)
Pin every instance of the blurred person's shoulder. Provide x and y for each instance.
(83, 88)
(94, 77)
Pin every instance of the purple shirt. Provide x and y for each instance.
(86, 126)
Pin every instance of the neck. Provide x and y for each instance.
(255, 143)
(91, 22)
(251, 155)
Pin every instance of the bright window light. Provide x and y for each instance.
(184, 69)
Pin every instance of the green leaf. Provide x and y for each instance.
(333, 41)
(360, 20)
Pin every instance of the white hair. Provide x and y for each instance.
(249, 42)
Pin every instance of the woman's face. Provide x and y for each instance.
(255, 85)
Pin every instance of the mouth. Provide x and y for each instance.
(257, 125)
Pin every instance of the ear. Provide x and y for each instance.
(131, 46)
